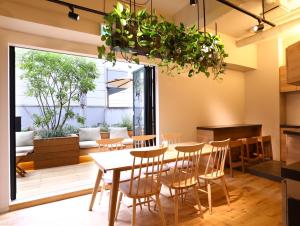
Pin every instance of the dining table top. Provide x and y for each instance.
(122, 159)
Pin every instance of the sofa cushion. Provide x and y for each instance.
(24, 138)
(89, 134)
(127, 141)
(88, 144)
(24, 149)
(118, 132)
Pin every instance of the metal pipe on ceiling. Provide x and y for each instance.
(78, 7)
(230, 4)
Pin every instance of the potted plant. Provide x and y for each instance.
(178, 48)
(104, 130)
(56, 81)
(127, 122)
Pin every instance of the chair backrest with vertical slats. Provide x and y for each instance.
(143, 141)
(216, 160)
(147, 161)
(110, 144)
(187, 165)
(171, 138)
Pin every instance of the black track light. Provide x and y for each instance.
(72, 15)
(193, 2)
(259, 27)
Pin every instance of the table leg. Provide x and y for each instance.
(114, 197)
(96, 187)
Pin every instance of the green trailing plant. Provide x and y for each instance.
(56, 81)
(178, 48)
(126, 122)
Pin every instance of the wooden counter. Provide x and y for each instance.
(292, 146)
(209, 133)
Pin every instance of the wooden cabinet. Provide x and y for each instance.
(283, 148)
(284, 86)
(292, 64)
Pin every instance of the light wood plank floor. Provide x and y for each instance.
(57, 180)
(254, 201)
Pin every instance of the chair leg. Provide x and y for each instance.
(230, 163)
(133, 212)
(118, 205)
(161, 211)
(243, 161)
(225, 190)
(140, 204)
(101, 194)
(209, 197)
(148, 203)
(176, 207)
(198, 200)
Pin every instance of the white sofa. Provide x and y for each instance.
(88, 137)
(120, 132)
(24, 147)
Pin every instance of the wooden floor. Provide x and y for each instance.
(254, 201)
(57, 180)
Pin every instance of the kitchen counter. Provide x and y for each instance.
(291, 171)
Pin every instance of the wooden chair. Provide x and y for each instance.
(252, 149)
(144, 186)
(265, 143)
(236, 145)
(171, 138)
(214, 170)
(143, 141)
(111, 145)
(184, 178)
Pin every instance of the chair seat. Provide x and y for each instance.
(178, 180)
(180, 164)
(212, 176)
(88, 144)
(165, 168)
(24, 150)
(127, 141)
(141, 189)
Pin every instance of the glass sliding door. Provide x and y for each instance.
(144, 118)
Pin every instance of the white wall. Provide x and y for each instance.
(186, 103)
(262, 93)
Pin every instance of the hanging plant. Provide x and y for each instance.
(177, 47)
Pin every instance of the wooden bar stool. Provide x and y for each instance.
(252, 149)
(236, 145)
(265, 143)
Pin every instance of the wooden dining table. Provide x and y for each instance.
(122, 160)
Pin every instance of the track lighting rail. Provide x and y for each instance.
(258, 18)
(78, 7)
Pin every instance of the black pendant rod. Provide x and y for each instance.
(198, 15)
(204, 16)
(225, 2)
(78, 7)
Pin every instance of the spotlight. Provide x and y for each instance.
(259, 27)
(72, 15)
(193, 2)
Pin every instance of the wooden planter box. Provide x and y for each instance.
(59, 151)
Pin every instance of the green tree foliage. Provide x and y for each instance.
(56, 81)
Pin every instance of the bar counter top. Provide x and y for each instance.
(227, 126)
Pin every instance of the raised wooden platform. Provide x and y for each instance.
(269, 169)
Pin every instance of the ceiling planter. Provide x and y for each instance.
(178, 48)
